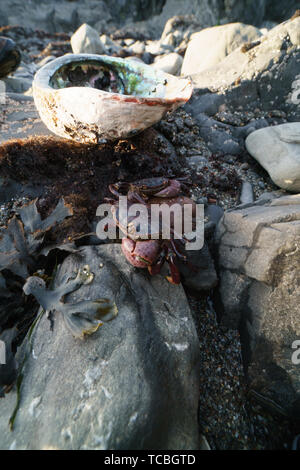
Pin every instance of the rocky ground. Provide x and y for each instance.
(243, 300)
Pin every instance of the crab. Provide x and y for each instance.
(142, 190)
(147, 249)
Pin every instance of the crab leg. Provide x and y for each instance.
(175, 275)
(180, 255)
(156, 267)
(114, 190)
(171, 190)
(135, 197)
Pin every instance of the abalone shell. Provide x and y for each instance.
(91, 98)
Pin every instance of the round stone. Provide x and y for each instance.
(10, 56)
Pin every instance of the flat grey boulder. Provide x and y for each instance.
(259, 259)
(131, 385)
(277, 149)
(211, 45)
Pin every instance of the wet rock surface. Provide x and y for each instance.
(20, 118)
(126, 380)
(259, 287)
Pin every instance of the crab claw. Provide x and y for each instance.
(172, 190)
(140, 254)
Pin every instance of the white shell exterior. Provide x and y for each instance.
(90, 115)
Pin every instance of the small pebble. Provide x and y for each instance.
(245, 166)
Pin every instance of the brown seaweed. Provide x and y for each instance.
(82, 318)
(21, 239)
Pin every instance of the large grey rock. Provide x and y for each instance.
(259, 258)
(86, 40)
(211, 45)
(264, 75)
(277, 149)
(132, 385)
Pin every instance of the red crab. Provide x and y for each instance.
(151, 253)
(142, 190)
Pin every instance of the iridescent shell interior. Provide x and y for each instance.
(89, 97)
(112, 76)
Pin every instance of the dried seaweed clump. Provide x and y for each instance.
(296, 14)
(249, 45)
(81, 173)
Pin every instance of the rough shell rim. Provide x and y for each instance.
(43, 76)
